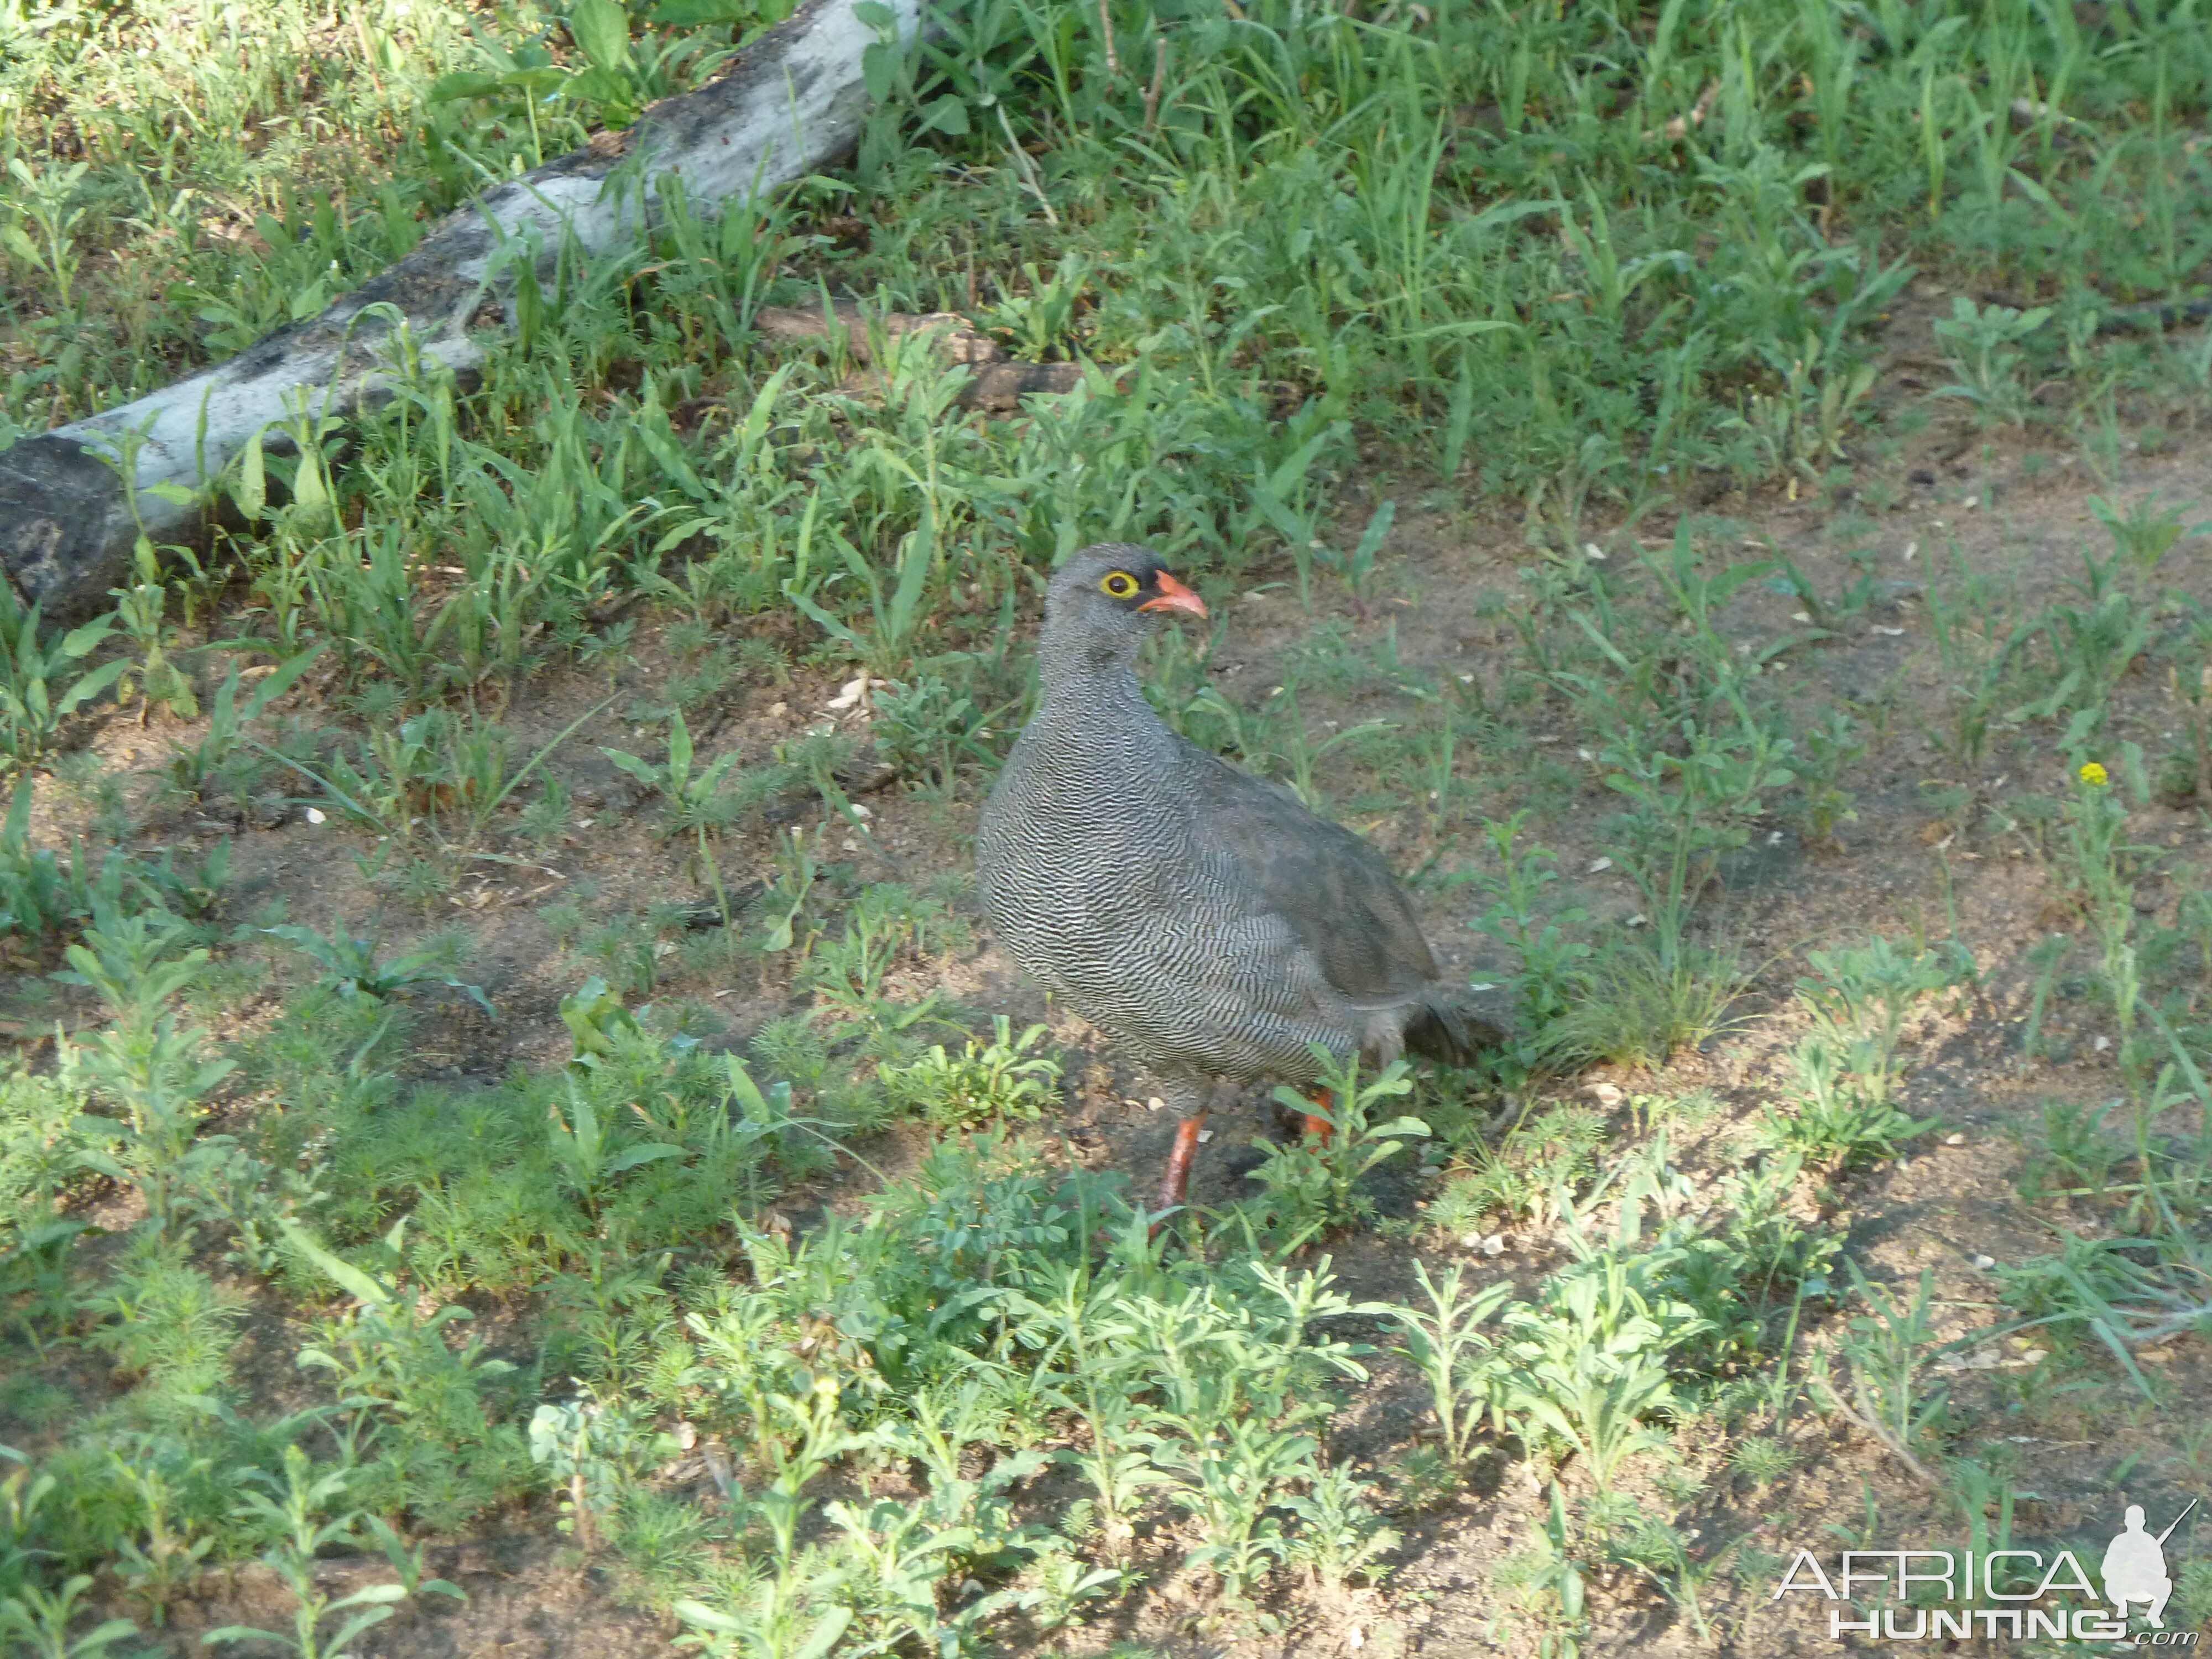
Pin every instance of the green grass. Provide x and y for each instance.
(1605, 273)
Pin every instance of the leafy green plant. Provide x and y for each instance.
(1884, 1361)
(171, 1561)
(193, 769)
(350, 967)
(690, 795)
(291, 1511)
(39, 1618)
(142, 616)
(587, 1156)
(1551, 970)
(1001, 1078)
(1982, 347)
(1589, 1364)
(1459, 1364)
(51, 203)
(1311, 1185)
(2146, 533)
(1340, 1534)
(144, 1061)
(1844, 1072)
(41, 682)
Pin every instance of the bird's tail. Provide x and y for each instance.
(1449, 1035)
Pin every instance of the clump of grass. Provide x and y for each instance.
(1638, 1010)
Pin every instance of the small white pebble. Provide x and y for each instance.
(1599, 866)
(1482, 985)
(861, 812)
(1801, 615)
(1205, 1135)
(1774, 838)
(1985, 1262)
(1910, 548)
(1954, 1140)
(2101, 1044)
(1586, 754)
(1971, 502)
(315, 816)
(1639, 919)
(1154, 1103)
(1893, 632)
(851, 844)
(1591, 550)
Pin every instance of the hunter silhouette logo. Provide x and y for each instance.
(2020, 1594)
(2135, 1566)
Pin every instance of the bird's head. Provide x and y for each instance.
(1105, 599)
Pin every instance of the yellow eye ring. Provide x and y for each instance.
(1121, 585)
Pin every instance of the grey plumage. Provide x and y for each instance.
(1203, 917)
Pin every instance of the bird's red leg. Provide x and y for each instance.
(1175, 1182)
(1317, 1127)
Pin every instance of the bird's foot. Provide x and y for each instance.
(1175, 1180)
(1318, 1127)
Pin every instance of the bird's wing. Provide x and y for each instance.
(1334, 891)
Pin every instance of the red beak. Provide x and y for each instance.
(1174, 596)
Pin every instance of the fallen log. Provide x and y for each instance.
(790, 104)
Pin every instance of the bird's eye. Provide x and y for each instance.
(1121, 585)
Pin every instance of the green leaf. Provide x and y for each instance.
(696, 1612)
(650, 1152)
(276, 684)
(879, 67)
(825, 1635)
(359, 1622)
(828, 624)
(779, 937)
(599, 85)
(80, 640)
(370, 1595)
(679, 749)
(469, 83)
(601, 28)
(252, 490)
(700, 14)
(348, 1278)
(91, 685)
(948, 114)
(637, 767)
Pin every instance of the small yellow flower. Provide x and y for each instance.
(2094, 775)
